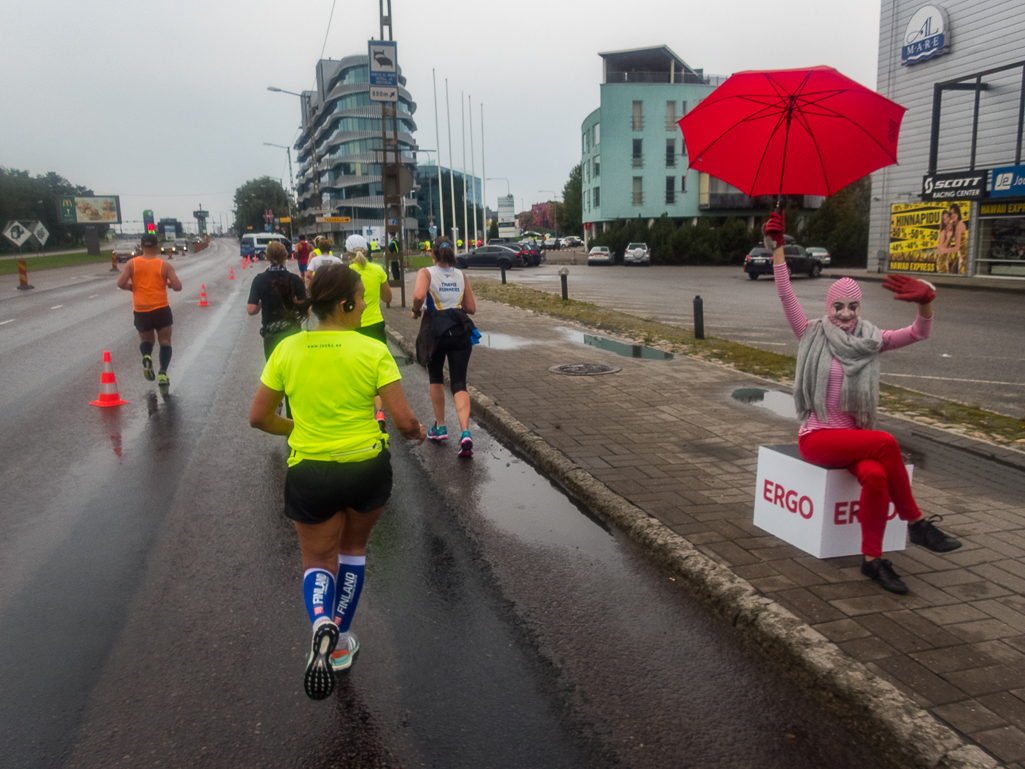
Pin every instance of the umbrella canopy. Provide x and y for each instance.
(793, 131)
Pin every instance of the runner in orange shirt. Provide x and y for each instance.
(148, 277)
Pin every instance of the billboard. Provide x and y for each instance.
(98, 209)
(507, 217)
(930, 236)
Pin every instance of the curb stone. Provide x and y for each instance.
(892, 722)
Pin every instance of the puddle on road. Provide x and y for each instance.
(780, 404)
(624, 349)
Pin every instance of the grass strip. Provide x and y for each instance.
(36, 263)
(949, 415)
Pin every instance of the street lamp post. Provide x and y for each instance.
(308, 112)
(291, 181)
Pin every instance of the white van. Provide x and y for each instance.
(255, 246)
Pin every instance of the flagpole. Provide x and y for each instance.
(473, 169)
(451, 172)
(483, 174)
(437, 143)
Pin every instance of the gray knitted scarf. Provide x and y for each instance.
(858, 353)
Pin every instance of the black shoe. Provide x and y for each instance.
(319, 678)
(924, 533)
(882, 572)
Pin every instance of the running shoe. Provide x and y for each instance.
(319, 679)
(163, 382)
(379, 416)
(341, 659)
(465, 444)
(147, 367)
(437, 434)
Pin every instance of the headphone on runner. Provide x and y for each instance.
(349, 305)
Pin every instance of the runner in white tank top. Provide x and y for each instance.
(446, 288)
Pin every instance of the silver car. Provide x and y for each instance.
(819, 253)
(599, 255)
(637, 253)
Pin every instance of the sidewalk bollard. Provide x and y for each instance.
(503, 276)
(564, 277)
(699, 318)
(113, 262)
(23, 276)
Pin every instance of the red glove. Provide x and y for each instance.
(910, 289)
(773, 230)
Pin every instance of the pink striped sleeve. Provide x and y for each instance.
(916, 332)
(791, 306)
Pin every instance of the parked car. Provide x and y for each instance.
(599, 255)
(498, 240)
(759, 261)
(572, 242)
(502, 256)
(552, 242)
(255, 246)
(819, 253)
(125, 250)
(637, 253)
(532, 253)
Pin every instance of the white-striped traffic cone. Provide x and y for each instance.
(108, 386)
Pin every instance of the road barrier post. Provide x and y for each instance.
(113, 262)
(503, 276)
(23, 276)
(699, 318)
(564, 277)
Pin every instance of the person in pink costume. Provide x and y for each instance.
(836, 392)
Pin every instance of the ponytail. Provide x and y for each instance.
(359, 256)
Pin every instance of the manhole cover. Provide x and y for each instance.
(584, 369)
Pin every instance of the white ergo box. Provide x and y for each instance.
(813, 508)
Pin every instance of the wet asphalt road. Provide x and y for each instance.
(975, 354)
(150, 602)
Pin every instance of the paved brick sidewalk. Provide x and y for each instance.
(667, 436)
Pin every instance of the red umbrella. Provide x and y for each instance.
(792, 131)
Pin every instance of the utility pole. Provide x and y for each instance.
(394, 208)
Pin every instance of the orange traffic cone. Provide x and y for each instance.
(202, 296)
(108, 386)
(231, 273)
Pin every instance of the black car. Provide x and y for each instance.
(759, 261)
(532, 254)
(505, 256)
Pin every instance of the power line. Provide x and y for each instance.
(324, 47)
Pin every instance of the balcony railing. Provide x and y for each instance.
(637, 123)
(671, 160)
(662, 77)
(638, 161)
(638, 198)
(670, 197)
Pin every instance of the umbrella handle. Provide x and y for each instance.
(779, 203)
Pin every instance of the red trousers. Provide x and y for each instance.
(874, 457)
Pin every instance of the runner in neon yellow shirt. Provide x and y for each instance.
(339, 475)
(375, 288)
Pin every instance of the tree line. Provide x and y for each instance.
(24, 198)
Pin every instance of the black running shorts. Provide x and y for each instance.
(315, 490)
(154, 319)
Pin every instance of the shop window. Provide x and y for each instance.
(638, 116)
(1001, 248)
(638, 191)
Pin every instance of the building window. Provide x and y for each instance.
(597, 167)
(638, 116)
(638, 153)
(597, 134)
(683, 184)
(638, 191)
(670, 153)
(587, 199)
(587, 172)
(597, 197)
(671, 115)
(683, 108)
(670, 190)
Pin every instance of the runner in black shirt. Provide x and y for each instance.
(266, 294)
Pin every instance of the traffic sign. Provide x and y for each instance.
(285, 220)
(384, 70)
(334, 219)
(16, 233)
(41, 233)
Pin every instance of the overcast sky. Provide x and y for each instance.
(166, 103)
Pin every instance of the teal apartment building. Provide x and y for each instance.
(633, 157)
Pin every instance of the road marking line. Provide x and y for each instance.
(952, 379)
(2, 322)
(94, 296)
(56, 306)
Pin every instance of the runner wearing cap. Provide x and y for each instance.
(836, 392)
(375, 289)
(148, 277)
(339, 471)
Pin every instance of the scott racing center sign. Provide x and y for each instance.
(967, 185)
